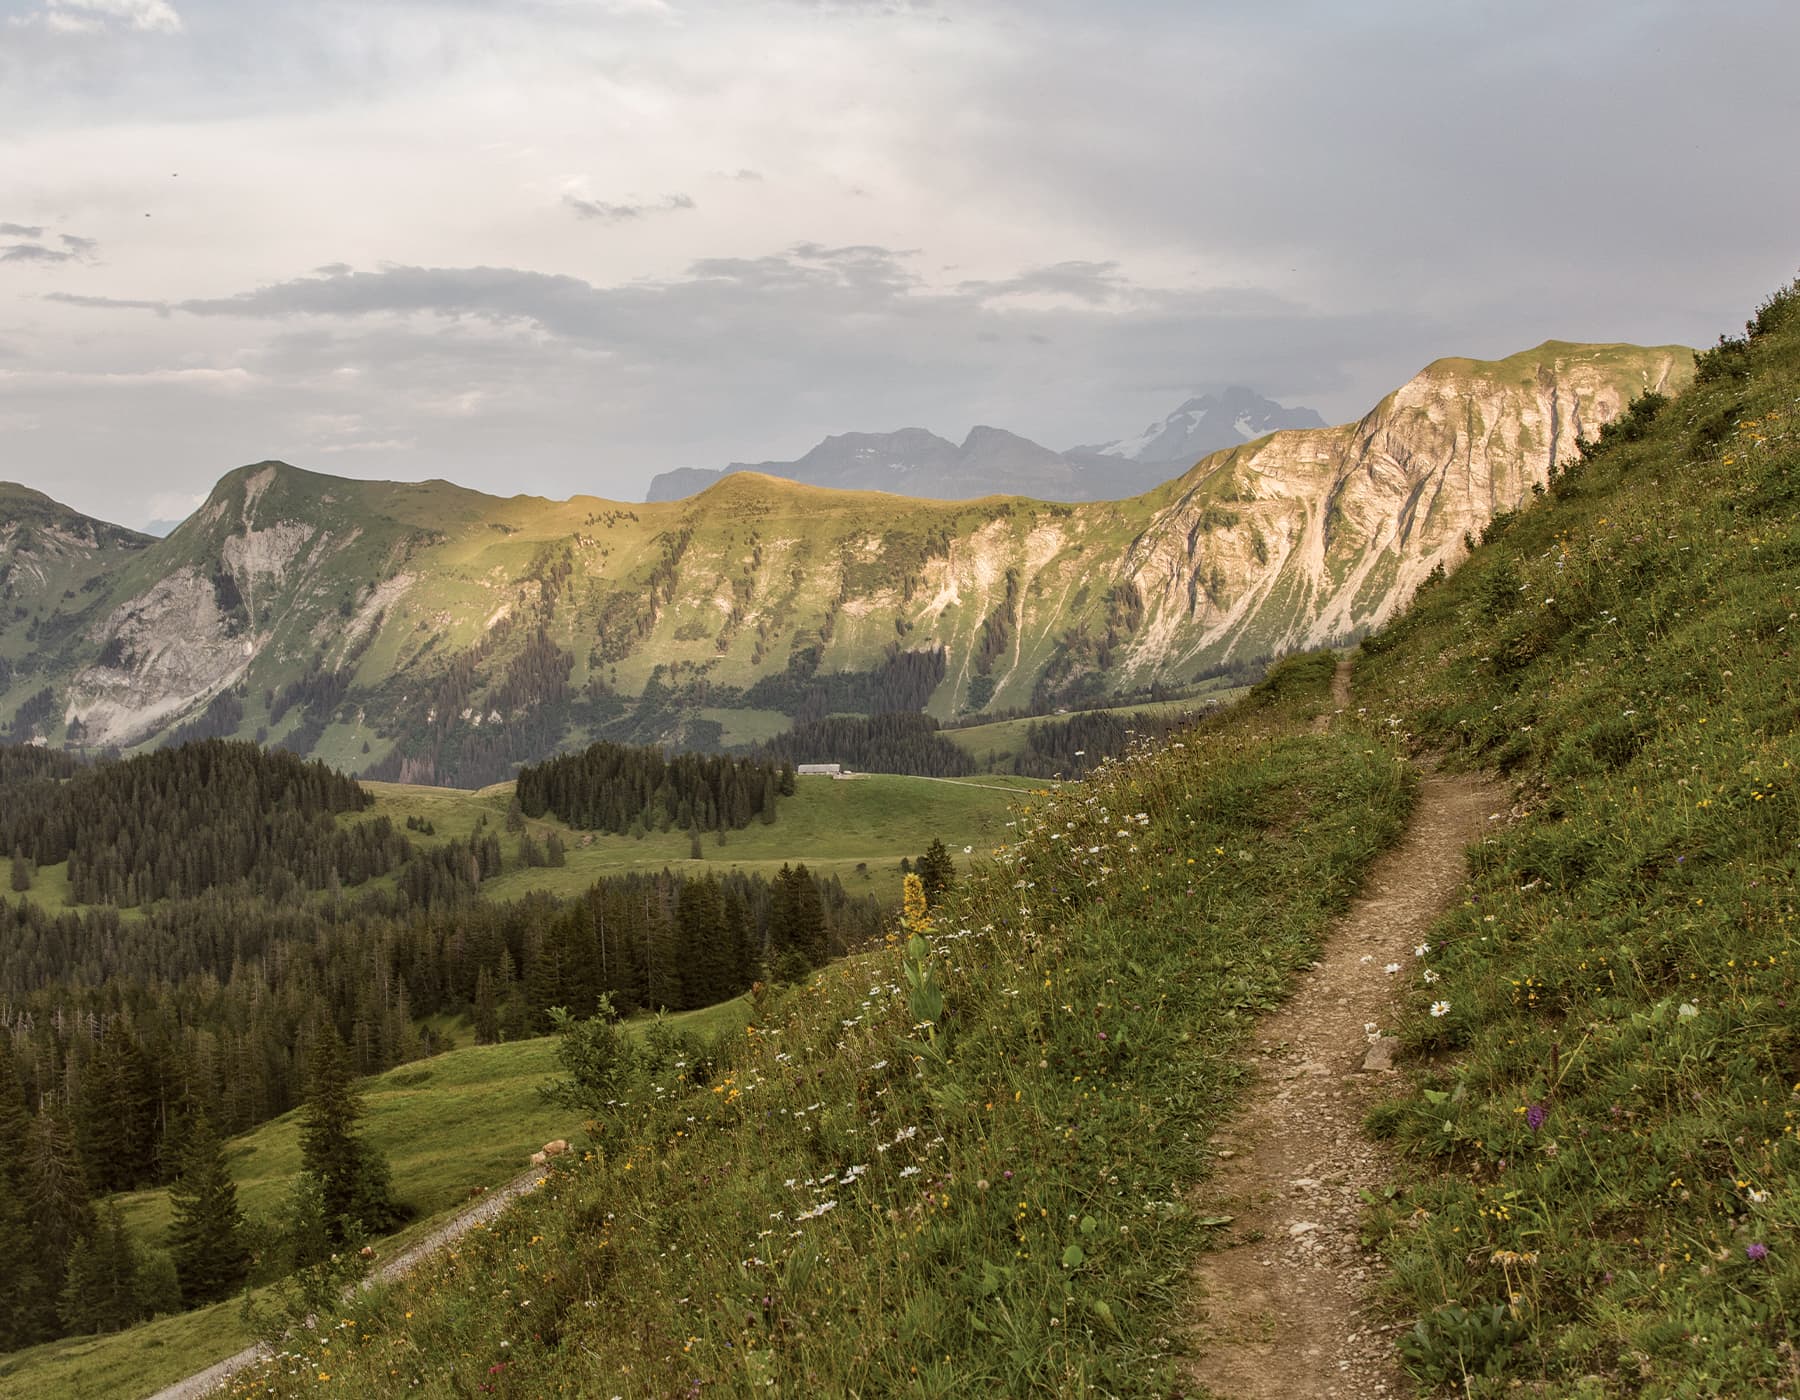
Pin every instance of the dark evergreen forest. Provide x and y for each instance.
(237, 924)
(1074, 747)
(177, 822)
(614, 787)
(891, 743)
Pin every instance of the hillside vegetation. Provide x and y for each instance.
(953, 1167)
(1605, 1129)
(436, 1171)
(960, 1167)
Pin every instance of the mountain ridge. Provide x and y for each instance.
(426, 629)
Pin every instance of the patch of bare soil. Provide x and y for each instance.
(1284, 1308)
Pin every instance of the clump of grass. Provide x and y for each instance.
(1604, 1125)
(976, 1191)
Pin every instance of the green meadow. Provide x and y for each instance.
(451, 1127)
(857, 828)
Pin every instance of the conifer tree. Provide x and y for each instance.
(206, 1233)
(487, 1009)
(937, 872)
(100, 1292)
(56, 1200)
(22, 1284)
(353, 1178)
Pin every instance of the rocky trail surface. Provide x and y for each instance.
(1285, 1307)
(207, 1382)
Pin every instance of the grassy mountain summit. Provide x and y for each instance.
(430, 633)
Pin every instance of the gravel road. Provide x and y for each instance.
(205, 1382)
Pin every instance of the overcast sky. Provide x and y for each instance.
(560, 245)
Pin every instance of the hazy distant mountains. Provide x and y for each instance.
(994, 462)
(1205, 424)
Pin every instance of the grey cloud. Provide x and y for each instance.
(98, 16)
(624, 213)
(162, 308)
(74, 248)
(780, 349)
(33, 252)
(21, 231)
(1092, 282)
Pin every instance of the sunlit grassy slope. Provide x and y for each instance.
(1607, 1191)
(856, 1206)
(999, 742)
(857, 829)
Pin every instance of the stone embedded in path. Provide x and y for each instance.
(1381, 1054)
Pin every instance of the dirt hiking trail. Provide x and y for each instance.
(1284, 1307)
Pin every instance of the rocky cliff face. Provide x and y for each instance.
(1309, 536)
(453, 634)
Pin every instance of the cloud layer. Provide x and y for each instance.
(560, 245)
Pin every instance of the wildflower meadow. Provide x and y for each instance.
(1605, 1175)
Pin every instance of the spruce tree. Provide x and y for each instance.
(56, 1199)
(22, 1283)
(353, 1178)
(100, 1291)
(206, 1233)
(487, 1010)
(937, 872)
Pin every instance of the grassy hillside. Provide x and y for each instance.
(1608, 1183)
(999, 742)
(449, 1126)
(857, 829)
(992, 1206)
(1602, 1201)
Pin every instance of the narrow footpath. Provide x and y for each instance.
(206, 1382)
(1283, 1310)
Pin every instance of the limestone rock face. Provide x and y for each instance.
(1306, 537)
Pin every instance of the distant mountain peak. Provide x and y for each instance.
(1207, 422)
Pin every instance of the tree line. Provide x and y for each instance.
(177, 822)
(1074, 747)
(621, 788)
(123, 1027)
(890, 743)
(73, 1268)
